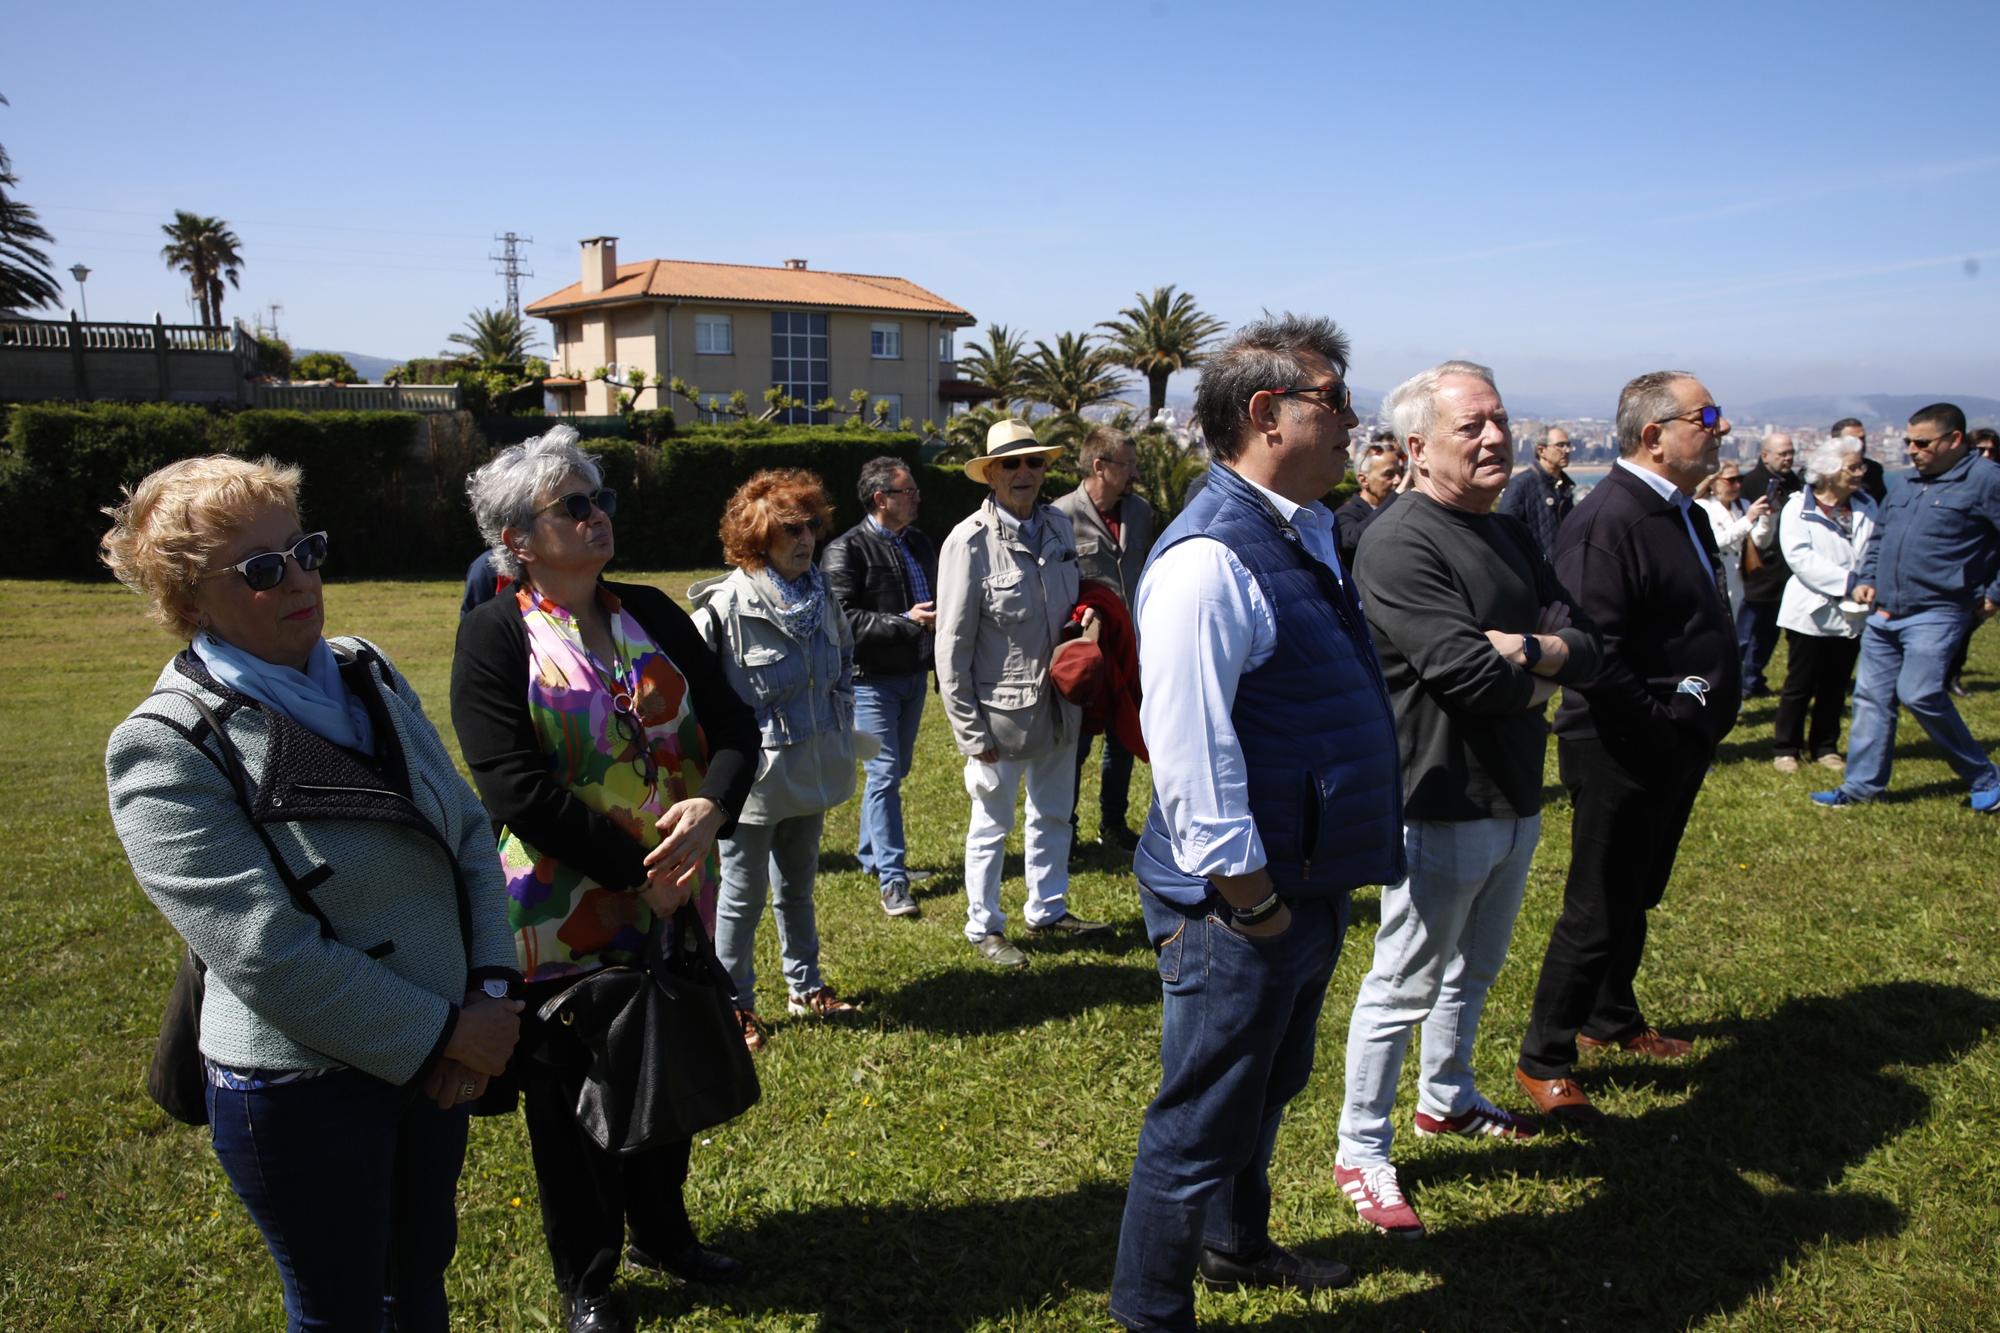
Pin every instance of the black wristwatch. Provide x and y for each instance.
(1531, 649)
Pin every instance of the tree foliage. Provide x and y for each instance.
(26, 282)
(205, 249)
(325, 366)
(494, 338)
(1000, 363)
(1164, 333)
(1073, 374)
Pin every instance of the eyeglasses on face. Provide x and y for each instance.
(577, 504)
(1338, 396)
(798, 530)
(1708, 416)
(1033, 462)
(266, 569)
(899, 490)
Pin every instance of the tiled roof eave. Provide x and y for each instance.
(949, 316)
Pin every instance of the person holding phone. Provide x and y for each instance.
(1762, 564)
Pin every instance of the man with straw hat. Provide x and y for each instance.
(1007, 582)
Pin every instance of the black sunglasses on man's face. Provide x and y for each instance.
(1034, 463)
(1339, 396)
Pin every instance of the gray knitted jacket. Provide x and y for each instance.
(401, 874)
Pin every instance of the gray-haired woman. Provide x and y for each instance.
(611, 753)
(1824, 531)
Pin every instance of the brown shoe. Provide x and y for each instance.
(1560, 1099)
(754, 1032)
(1651, 1043)
(822, 1003)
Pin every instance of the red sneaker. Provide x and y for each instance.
(1484, 1120)
(1379, 1199)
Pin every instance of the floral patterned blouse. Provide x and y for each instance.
(623, 738)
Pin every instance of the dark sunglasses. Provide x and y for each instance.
(266, 569)
(1033, 462)
(577, 504)
(797, 530)
(1339, 396)
(1708, 416)
(633, 732)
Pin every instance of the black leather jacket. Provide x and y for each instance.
(865, 572)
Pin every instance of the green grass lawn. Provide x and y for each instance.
(1830, 1158)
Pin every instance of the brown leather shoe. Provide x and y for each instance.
(1560, 1099)
(1651, 1043)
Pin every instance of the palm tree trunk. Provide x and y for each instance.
(1156, 393)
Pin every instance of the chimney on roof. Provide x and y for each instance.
(796, 264)
(600, 263)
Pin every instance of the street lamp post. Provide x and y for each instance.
(79, 272)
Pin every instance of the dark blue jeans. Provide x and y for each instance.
(1114, 785)
(353, 1184)
(1238, 1026)
(1757, 635)
(889, 708)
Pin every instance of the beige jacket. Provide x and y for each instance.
(1117, 561)
(1001, 608)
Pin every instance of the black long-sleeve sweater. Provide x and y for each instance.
(1433, 580)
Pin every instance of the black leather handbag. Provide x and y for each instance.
(666, 1053)
(175, 1079)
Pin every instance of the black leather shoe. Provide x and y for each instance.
(1275, 1267)
(1122, 838)
(696, 1263)
(602, 1313)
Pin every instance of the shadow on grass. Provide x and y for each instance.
(970, 1002)
(1665, 1227)
(900, 1266)
(1668, 1228)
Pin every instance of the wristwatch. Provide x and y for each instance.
(1531, 649)
(495, 987)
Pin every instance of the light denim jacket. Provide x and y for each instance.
(803, 695)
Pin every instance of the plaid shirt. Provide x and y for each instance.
(920, 587)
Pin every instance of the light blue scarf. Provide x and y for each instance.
(316, 698)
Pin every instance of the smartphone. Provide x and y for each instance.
(1774, 493)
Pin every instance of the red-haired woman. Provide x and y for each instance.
(785, 646)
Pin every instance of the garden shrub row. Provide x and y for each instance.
(396, 509)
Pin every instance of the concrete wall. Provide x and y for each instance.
(74, 360)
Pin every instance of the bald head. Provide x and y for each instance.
(1777, 452)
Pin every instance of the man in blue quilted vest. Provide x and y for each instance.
(1276, 791)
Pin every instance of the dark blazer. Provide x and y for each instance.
(1540, 501)
(1625, 556)
(866, 574)
(1766, 583)
(489, 710)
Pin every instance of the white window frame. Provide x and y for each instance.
(708, 324)
(945, 346)
(885, 341)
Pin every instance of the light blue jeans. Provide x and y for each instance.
(1903, 661)
(889, 708)
(756, 856)
(1443, 938)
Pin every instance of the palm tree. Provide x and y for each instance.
(1073, 374)
(1001, 363)
(497, 338)
(205, 250)
(1164, 333)
(25, 280)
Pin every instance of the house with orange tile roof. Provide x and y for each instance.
(726, 327)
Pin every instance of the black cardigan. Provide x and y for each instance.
(1624, 554)
(496, 733)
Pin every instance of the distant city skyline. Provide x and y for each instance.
(1572, 198)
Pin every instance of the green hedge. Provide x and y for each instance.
(395, 510)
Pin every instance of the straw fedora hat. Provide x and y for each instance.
(1007, 439)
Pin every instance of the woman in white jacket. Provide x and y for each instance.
(1721, 494)
(1824, 531)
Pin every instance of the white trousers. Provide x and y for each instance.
(1050, 778)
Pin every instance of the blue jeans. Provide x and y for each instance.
(754, 858)
(889, 708)
(1757, 634)
(353, 1184)
(1903, 661)
(1444, 935)
(1238, 1026)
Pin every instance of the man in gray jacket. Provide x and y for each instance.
(1007, 582)
(1114, 535)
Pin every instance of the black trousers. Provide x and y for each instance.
(1816, 678)
(590, 1196)
(1630, 812)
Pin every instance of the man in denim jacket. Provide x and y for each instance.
(1931, 574)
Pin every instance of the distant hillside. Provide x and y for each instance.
(1874, 409)
(370, 368)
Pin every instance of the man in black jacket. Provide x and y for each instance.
(1636, 740)
(1764, 585)
(1542, 494)
(883, 571)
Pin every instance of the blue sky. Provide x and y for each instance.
(1782, 197)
